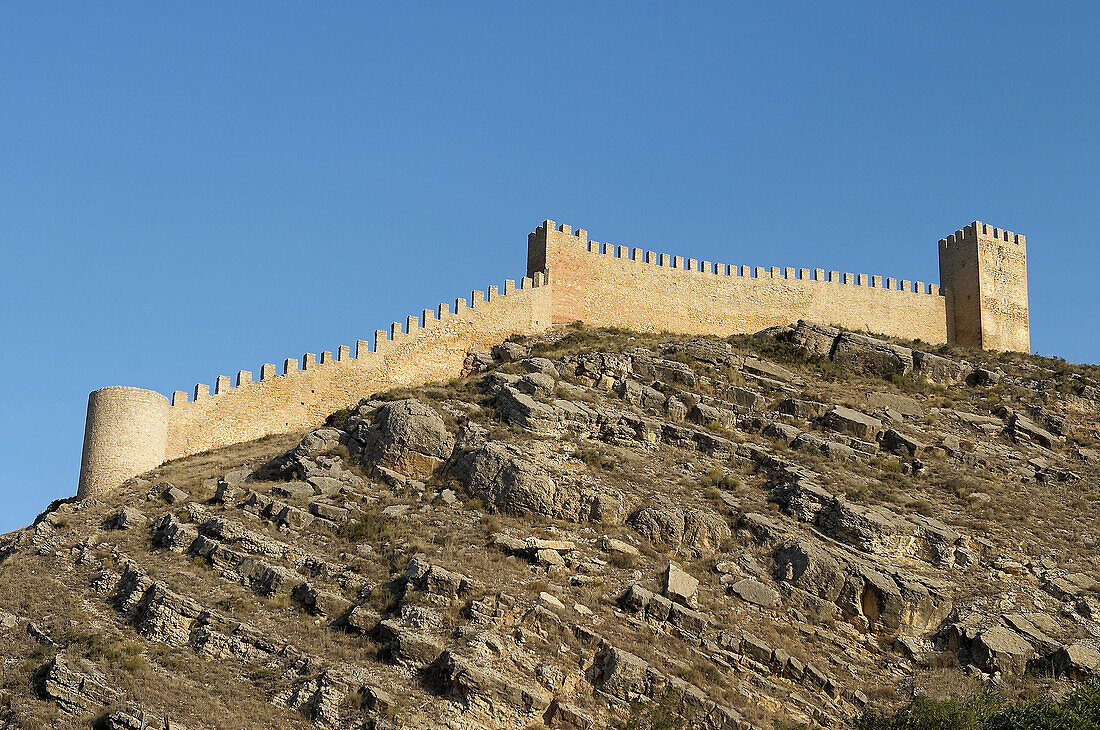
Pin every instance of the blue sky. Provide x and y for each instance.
(191, 189)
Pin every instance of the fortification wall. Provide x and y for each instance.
(125, 434)
(425, 348)
(611, 285)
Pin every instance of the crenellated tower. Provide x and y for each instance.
(983, 273)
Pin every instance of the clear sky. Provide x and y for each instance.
(190, 189)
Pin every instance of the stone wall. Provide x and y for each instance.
(621, 287)
(430, 347)
(130, 430)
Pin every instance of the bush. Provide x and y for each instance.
(1079, 710)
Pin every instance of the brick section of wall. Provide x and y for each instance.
(620, 287)
(984, 270)
(124, 435)
(428, 348)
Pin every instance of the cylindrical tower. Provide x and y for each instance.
(126, 434)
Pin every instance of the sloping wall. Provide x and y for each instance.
(429, 347)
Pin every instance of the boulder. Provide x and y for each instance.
(293, 490)
(873, 356)
(1078, 662)
(537, 384)
(809, 567)
(856, 423)
(518, 487)
(1024, 430)
(938, 369)
(802, 408)
(755, 592)
(681, 528)
(481, 689)
(816, 338)
(901, 444)
(679, 585)
(510, 351)
(407, 436)
(539, 365)
(124, 519)
(75, 685)
(1000, 649)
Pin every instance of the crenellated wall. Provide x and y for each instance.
(130, 430)
(428, 347)
(627, 287)
(983, 303)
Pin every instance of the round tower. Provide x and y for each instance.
(126, 434)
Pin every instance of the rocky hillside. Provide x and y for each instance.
(592, 529)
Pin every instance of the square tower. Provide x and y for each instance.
(562, 252)
(983, 271)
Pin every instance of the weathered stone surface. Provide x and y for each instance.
(938, 369)
(999, 649)
(175, 495)
(869, 355)
(516, 486)
(540, 365)
(124, 519)
(293, 490)
(536, 384)
(802, 408)
(806, 565)
(679, 585)
(408, 437)
(1024, 430)
(858, 424)
(612, 545)
(675, 527)
(753, 591)
(406, 646)
(328, 511)
(816, 338)
(1079, 661)
(75, 685)
(481, 690)
(901, 444)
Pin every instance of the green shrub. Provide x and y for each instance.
(1079, 710)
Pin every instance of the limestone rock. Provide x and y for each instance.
(1079, 661)
(811, 568)
(540, 365)
(679, 585)
(74, 685)
(873, 356)
(853, 422)
(518, 487)
(755, 592)
(408, 437)
(999, 649)
(125, 519)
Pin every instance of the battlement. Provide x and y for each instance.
(709, 268)
(976, 230)
(414, 327)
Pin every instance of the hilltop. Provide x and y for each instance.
(590, 528)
